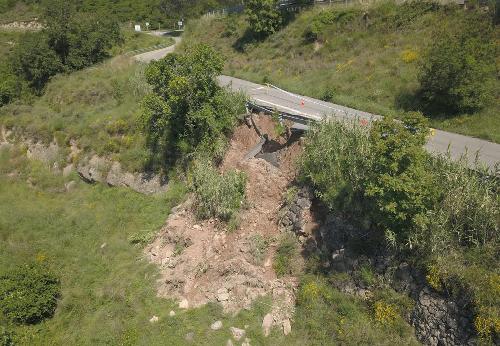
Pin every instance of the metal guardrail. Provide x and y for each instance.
(147, 49)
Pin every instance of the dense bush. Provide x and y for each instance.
(457, 71)
(28, 294)
(400, 184)
(188, 111)
(217, 195)
(263, 16)
(10, 86)
(79, 39)
(34, 61)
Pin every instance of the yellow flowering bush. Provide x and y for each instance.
(385, 313)
(485, 326)
(433, 278)
(409, 56)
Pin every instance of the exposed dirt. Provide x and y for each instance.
(201, 262)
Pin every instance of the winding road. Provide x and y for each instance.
(440, 142)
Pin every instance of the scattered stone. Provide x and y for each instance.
(287, 327)
(183, 304)
(246, 342)
(216, 325)
(223, 297)
(197, 227)
(189, 337)
(172, 313)
(229, 343)
(237, 333)
(103, 245)
(267, 323)
(154, 319)
(70, 185)
(67, 170)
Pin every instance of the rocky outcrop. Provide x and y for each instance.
(441, 321)
(294, 213)
(93, 169)
(99, 169)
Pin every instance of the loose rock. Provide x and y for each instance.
(287, 327)
(183, 304)
(216, 325)
(267, 323)
(172, 313)
(154, 319)
(237, 333)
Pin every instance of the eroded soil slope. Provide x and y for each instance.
(202, 262)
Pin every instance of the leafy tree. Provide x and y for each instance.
(188, 110)
(79, 39)
(34, 61)
(28, 294)
(9, 84)
(456, 72)
(264, 17)
(401, 186)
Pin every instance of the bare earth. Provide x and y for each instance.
(201, 262)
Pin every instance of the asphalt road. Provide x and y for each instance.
(440, 142)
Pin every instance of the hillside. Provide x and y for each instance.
(332, 53)
(164, 12)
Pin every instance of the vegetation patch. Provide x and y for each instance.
(217, 195)
(28, 293)
(373, 58)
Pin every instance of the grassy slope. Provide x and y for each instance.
(98, 106)
(108, 293)
(363, 67)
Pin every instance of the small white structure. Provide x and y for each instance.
(137, 28)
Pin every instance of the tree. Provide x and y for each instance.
(264, 17)
(188, 110)
(34, 61)
(457, 71)
(400, 185)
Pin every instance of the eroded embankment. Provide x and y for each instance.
(201, 262)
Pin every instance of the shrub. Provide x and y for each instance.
(217, 195)
(34, 61)
(263, 16)
(457, 70)
(28, 294)
(6, 337)
(400, 185)
(385, 313)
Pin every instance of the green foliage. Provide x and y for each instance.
(456, 74)
(337, 160)
(326, 316)
(28, 293)
(217, 195)
(9, 85)
(468, 211)
(264, 17)
(187, 109)
(400, 185)
(34, 61)
(339, 18)
(6, 337)
(284, 259)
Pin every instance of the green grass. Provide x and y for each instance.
(108, 293)
(352, 65)
(97, 106)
